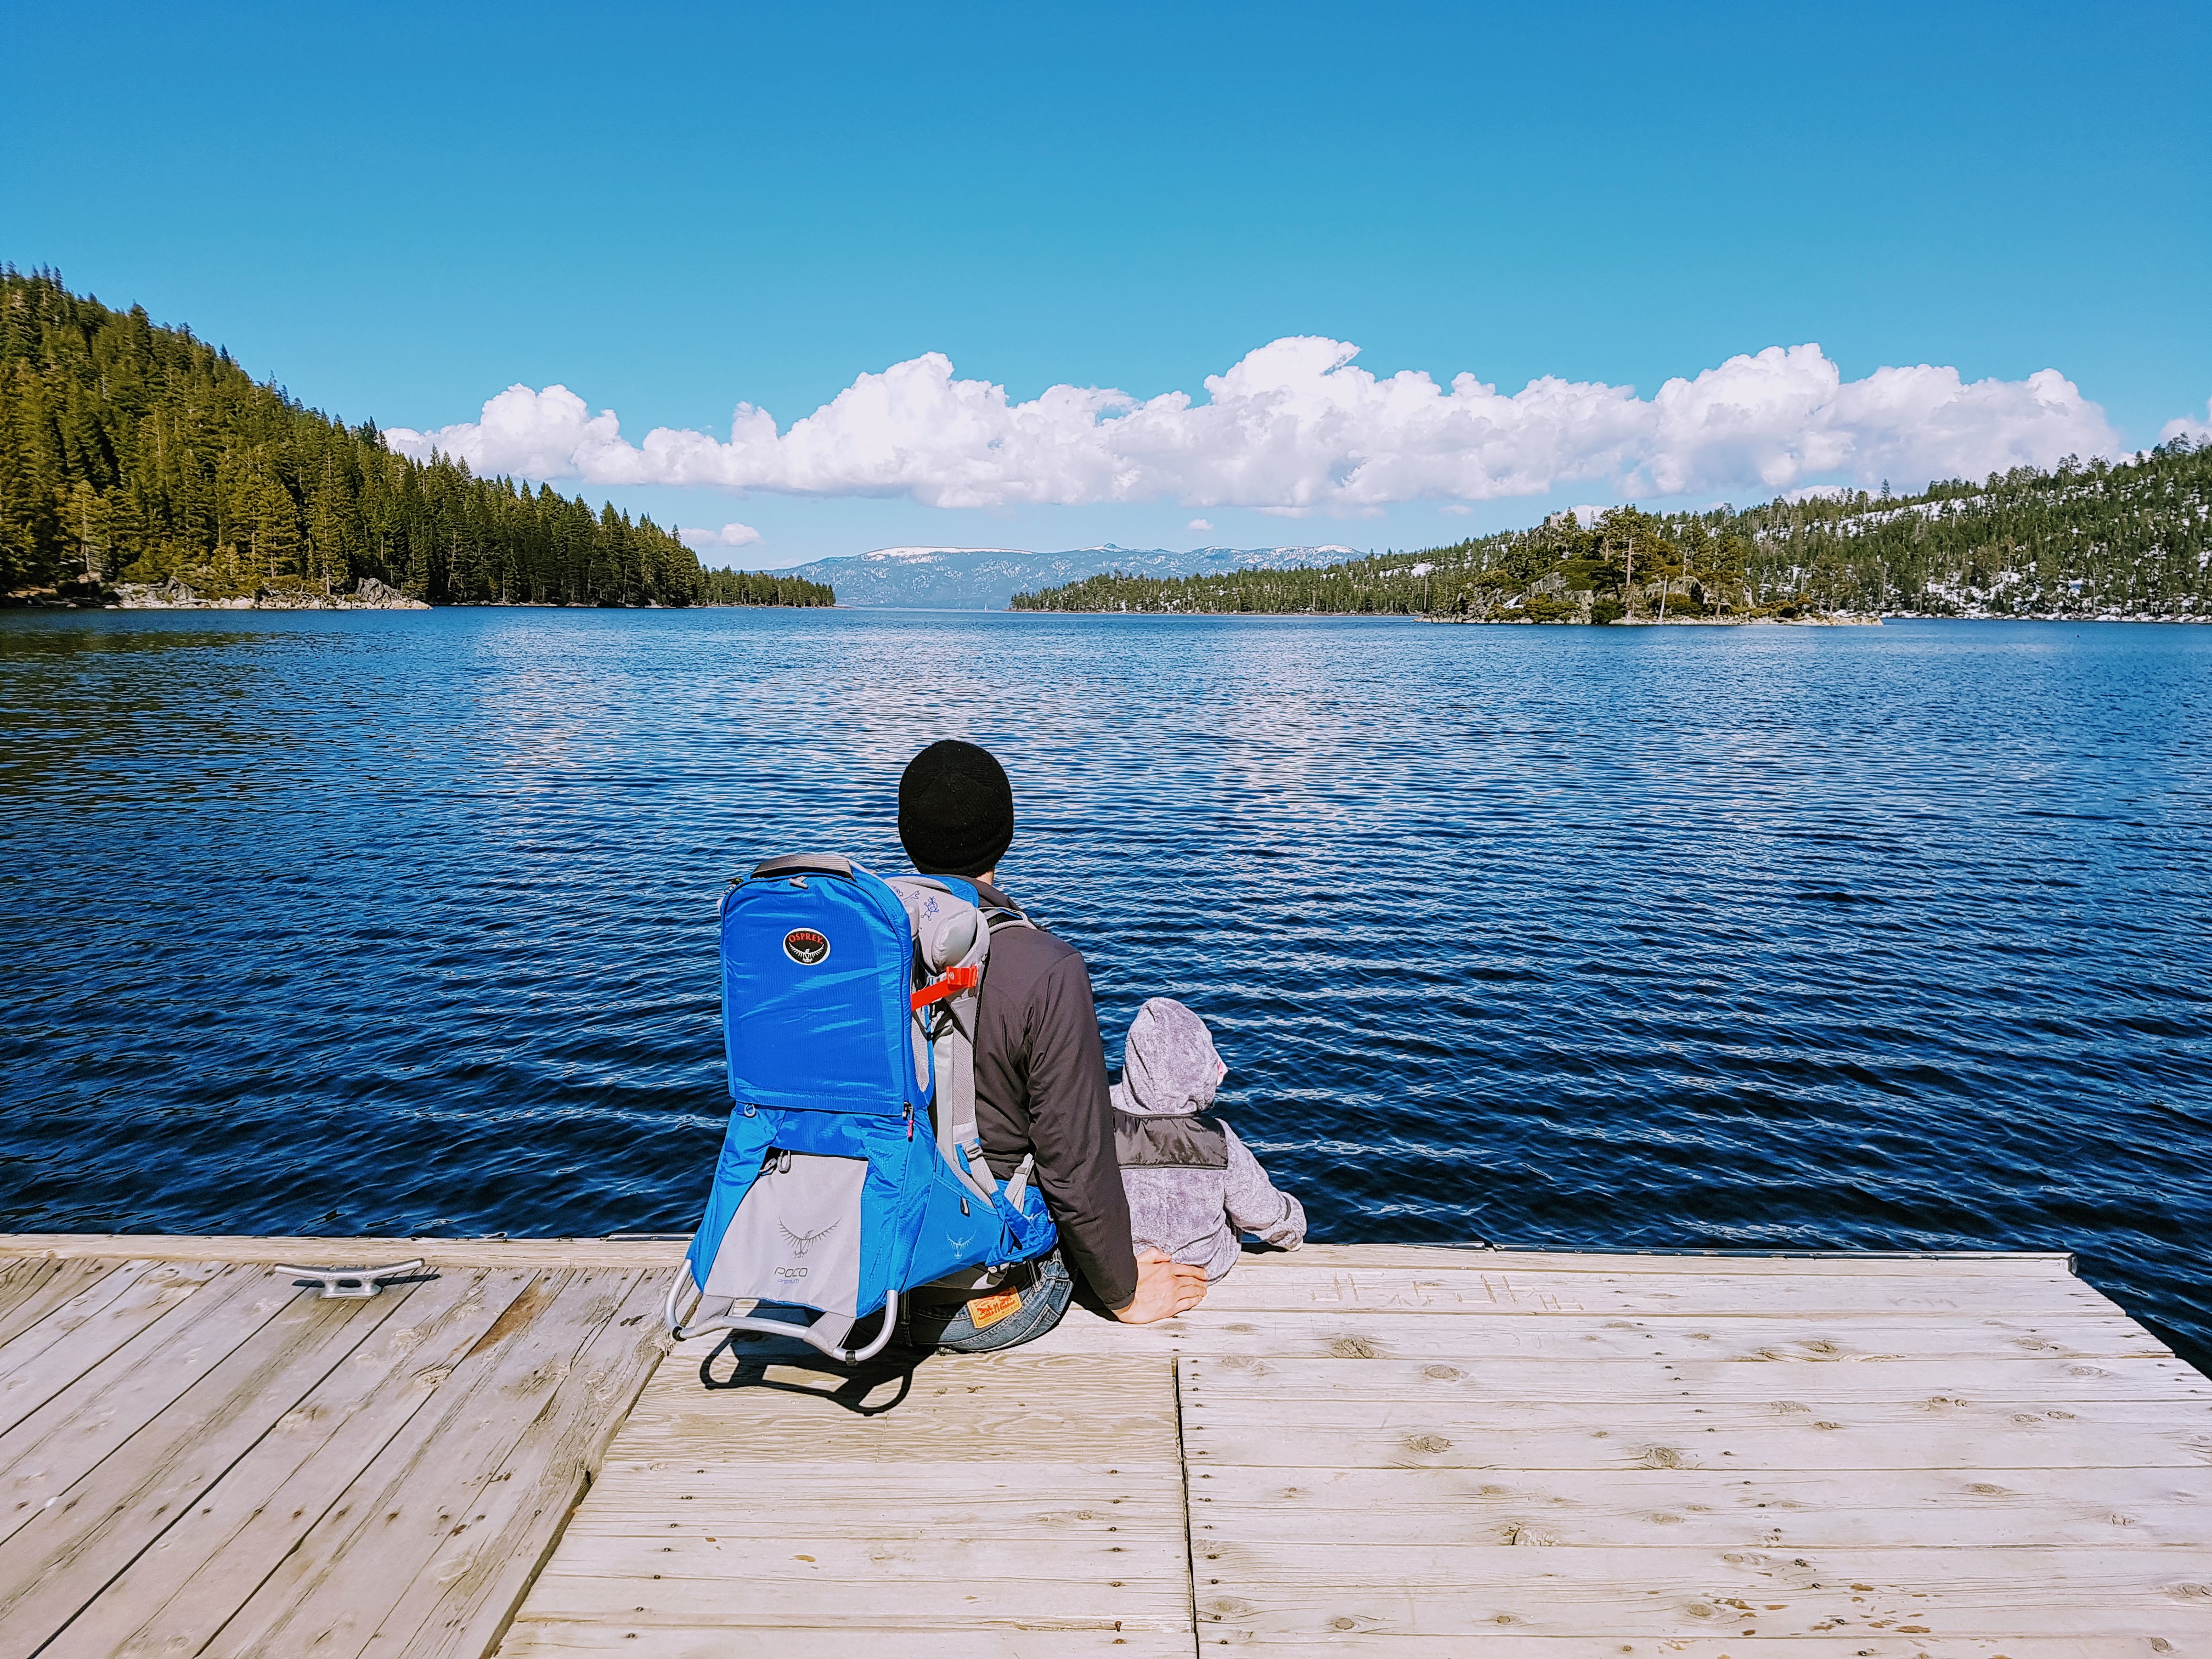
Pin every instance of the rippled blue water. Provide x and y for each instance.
(1764, 937)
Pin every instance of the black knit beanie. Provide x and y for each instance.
(956, 810)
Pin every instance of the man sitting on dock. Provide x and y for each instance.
(1041, 1085)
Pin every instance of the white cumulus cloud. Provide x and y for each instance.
(2196, 431)
(1200, 524)
(1297, 427)
(730, 535)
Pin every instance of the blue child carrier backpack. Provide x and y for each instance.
(852, 1172)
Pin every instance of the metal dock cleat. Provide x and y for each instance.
(351, 1283)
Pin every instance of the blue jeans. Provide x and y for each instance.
(948, 1325)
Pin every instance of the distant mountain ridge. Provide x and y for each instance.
(986, 579)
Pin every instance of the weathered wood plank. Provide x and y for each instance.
(790, 1596)
(99, 1521)
(175, 1596)
(19, 1278)
(663, 1642)
(47, 1289)
(1424, 1258)
(552, 1640)
(1032, 1504)
(1662, 1445)
(1506, 1292)
(359, 1251)
(928, 1561)
(476, 1579)
(1784, 1510)
(984, 1409)
(1497, 1347)
(675, 1643)
(84, 1420)
(76, 1335)
(2033, 1422)
(1016, 1500)
(1300, 1383)
(333, 1594)
(1657, 1595)
(640, 1255)
(843, 1576)
(1867, 1644)
(1785, 1338)
(31, 1290)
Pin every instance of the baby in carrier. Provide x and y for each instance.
(1192, 1185)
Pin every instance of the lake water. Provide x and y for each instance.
(1891, 938)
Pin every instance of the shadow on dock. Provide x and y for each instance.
(754, 1358)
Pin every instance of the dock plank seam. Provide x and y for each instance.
(1189, 1548)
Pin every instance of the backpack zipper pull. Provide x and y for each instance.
(909, 1120)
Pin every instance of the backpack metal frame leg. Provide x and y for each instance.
(817, 1335)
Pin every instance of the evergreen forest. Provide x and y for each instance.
(130, 452)
(2088, 540)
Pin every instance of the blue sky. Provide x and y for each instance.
(669, 211)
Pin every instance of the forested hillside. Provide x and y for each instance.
(763, 587)
(130, 452)
(2095, 540)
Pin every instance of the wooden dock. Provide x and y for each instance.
(1422, 1452)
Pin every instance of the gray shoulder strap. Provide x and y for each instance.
(947, 939)
(958, 1142)
(1005, 915)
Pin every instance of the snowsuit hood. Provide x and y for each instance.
(1170, 1067)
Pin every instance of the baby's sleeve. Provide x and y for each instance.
(1256, 1204)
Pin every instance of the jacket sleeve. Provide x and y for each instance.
(1072, 1130)
(1256, 1204)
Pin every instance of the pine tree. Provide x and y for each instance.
(156, 455)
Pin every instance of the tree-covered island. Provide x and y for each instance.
(138, 459)
(2127, 541)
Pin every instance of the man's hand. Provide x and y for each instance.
(1164, 1289)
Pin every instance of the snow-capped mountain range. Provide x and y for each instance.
(986, 578)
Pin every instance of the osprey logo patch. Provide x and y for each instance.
(806, 947)
(801, 1242)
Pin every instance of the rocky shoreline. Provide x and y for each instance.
(1508, 619)
(368, 594)
(87, 594)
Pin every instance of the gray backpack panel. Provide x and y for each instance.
(796, 1237)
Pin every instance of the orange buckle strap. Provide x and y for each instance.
(959, 979)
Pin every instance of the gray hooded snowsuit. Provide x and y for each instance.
(1192, 1185)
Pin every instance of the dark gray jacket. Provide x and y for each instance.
(1041, 1088)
